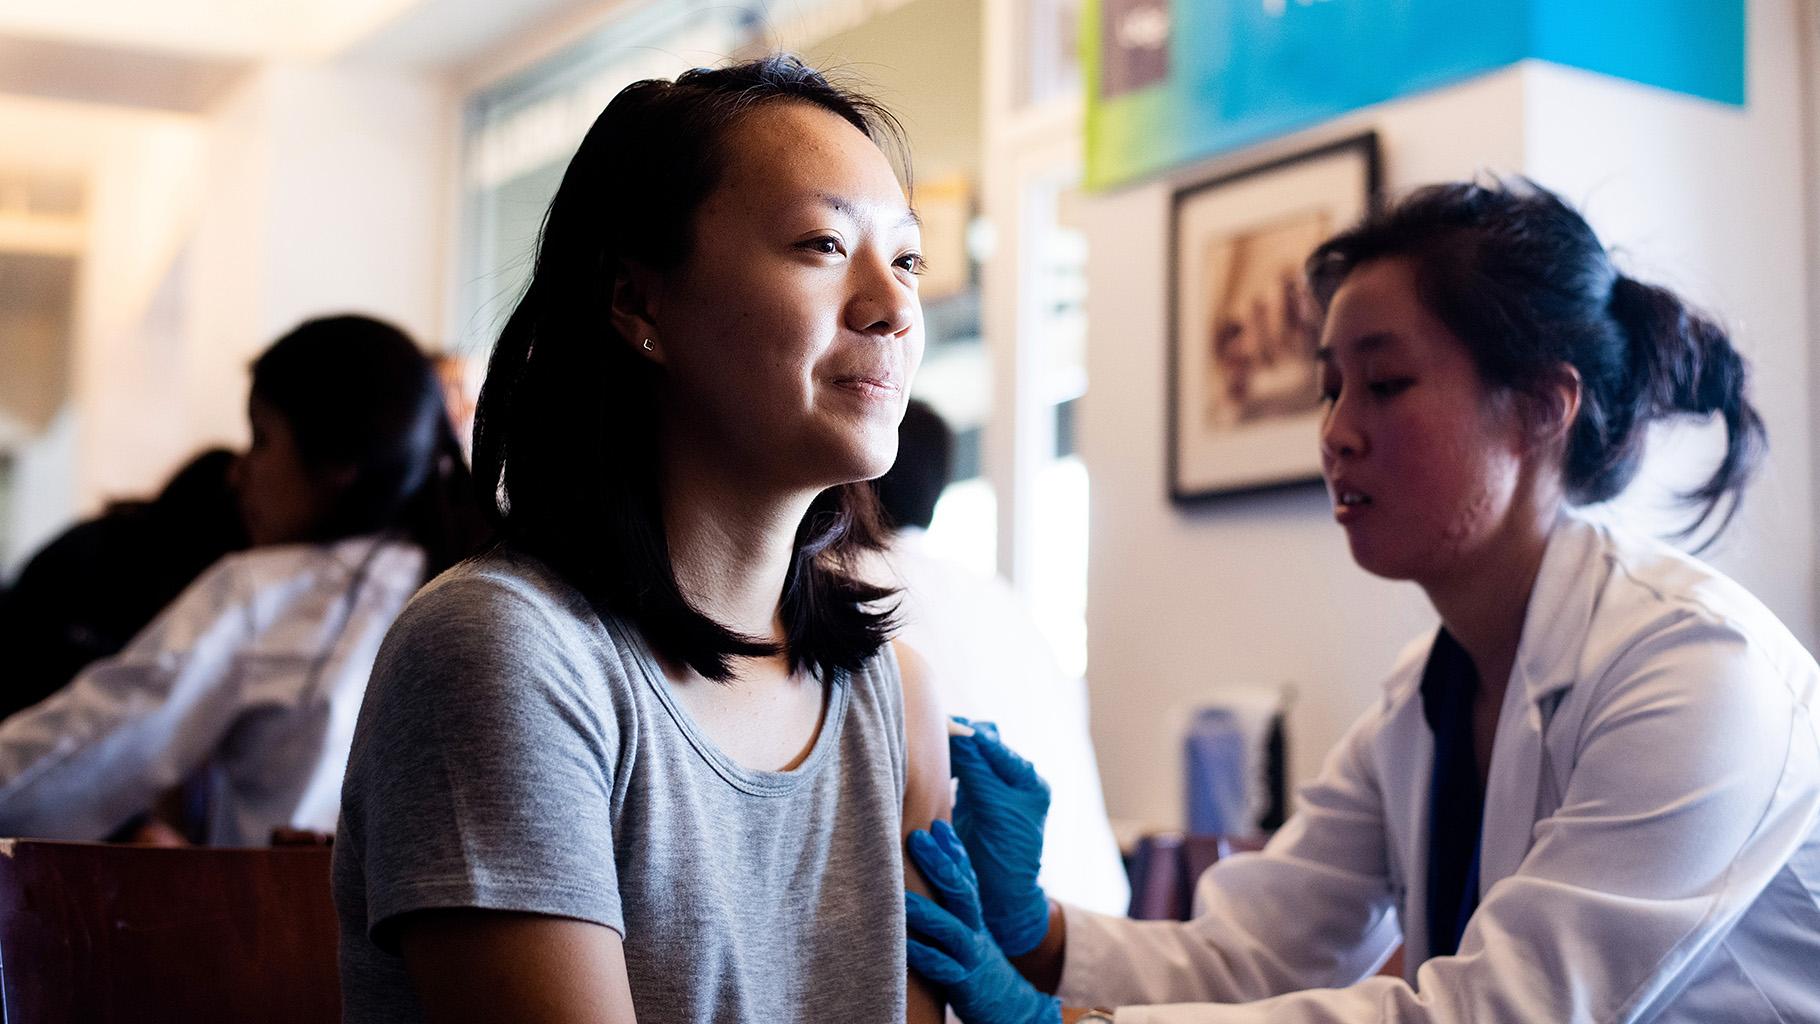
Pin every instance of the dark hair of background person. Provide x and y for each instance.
(359, 395)
(89, 591)
(1520, 278)
(565, 448)
(925, 458)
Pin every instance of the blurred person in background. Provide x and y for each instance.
(89, 591)
(352, 493)
(990, 664)
(461, 393)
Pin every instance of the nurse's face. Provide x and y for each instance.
(790, 334)
(281, 501)
(1421, 460)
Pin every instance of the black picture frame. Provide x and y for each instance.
(1243, 408)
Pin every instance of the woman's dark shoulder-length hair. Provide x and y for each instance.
(565, 445)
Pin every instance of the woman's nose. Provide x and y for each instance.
(1341, 436)
(882, 303)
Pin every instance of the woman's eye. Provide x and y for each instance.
(913, 262)
(827, 245)
(1390, 388)
(1327, 386)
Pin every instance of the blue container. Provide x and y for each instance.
(1218, 787)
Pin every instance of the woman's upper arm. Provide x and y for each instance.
(928, 795)
(481, 773)
(485, 965)
(1681, 761)
(481, 777)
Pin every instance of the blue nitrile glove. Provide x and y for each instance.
(999, 813)
(949, 944)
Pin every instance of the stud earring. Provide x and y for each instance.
(648, 346)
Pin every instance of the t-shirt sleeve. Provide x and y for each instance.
(482, 770)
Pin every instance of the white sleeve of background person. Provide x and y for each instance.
(80, 763)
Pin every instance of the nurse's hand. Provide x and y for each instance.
(949, 944)
(999, 815)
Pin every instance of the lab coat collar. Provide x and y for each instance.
(1555, 627)
(1561, 605)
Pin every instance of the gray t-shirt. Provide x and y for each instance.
(515, 753)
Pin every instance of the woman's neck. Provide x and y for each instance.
(1484, 605)
(730, 545)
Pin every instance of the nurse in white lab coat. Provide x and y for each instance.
(1592, 795)
(353, 491)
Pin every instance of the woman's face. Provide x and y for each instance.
(1421, 461)
(280, 500)
(790, 335)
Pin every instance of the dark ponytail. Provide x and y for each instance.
(1520, 278)
(1689, 366)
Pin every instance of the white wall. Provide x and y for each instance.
(356, 196)
(1260, 590)
(309, 189)
(1808, 45)
(327, 194)
(129, 348)
(43, 489)
(922, 60)
(140, 174)
(227, 268)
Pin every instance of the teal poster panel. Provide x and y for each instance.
(1169, 81)
(1689, 46)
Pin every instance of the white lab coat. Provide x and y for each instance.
(1651, 841)
(255, 672)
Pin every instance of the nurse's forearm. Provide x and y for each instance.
(1042, 966)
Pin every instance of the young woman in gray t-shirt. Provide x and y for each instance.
(654, 755)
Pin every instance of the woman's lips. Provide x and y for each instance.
(1349, 503)
(869, 386)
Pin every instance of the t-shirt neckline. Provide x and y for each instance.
(755, 781)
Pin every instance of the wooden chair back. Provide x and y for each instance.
(100, 932)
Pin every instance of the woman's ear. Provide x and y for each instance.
(1553, 407)
(634, 309)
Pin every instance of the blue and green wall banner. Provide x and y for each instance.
(1169, 81)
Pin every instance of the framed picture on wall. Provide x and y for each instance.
(1244, 404)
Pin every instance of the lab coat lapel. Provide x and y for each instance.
(1554, 631)
(1408, 770)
